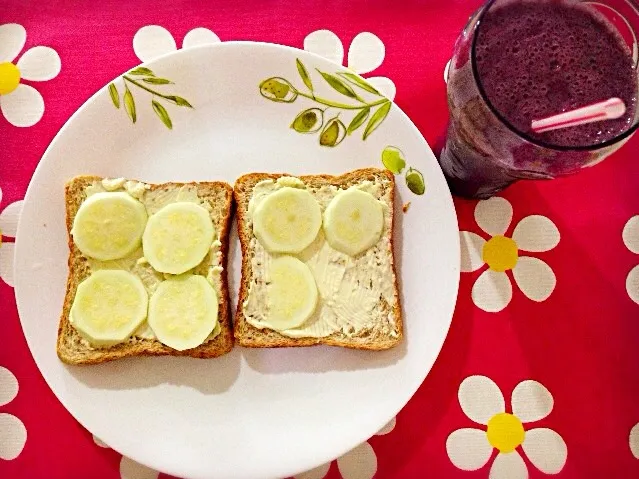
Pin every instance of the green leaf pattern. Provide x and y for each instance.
(144, 79)
(129, 104)
(115, 96)
(157, 81)
(358, 120)
(304, 74)
(345, 84)
(141, 71)
(340, 86)
(162, 114)
(359, 81)
(378, 117)
(178, 100)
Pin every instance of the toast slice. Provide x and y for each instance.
(385, 335)
(72, 348)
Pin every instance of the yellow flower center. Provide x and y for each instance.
(505, 432)
(500, 253)
(9, 77)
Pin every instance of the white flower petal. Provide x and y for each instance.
(153, 41)
(472, 247)
(446, 70)
(632, 284)
(7, 252)
(535, 278)
(508, 466)
(492, 291)
(536, 233)
(39, 64)
(468, 449)
(8, 386)
(634, 440)
(22, 107)
(325, 43)
(199, 36)
(546, 450)
(383, 85)
(13, 436)
(366, 53)
(480, 398)
(9, 218)
(318, 473)
(390, 425)
(531, 401)
(0, 195)
(494, 215)
(129, 469)
(99, 441)
(631, 234)
(12, 38)
(359, 463)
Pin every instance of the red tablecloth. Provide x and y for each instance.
(539, 374)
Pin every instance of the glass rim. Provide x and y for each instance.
(598, 146)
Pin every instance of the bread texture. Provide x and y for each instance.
(72, 348)
(248, 335)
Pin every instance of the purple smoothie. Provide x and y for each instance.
(523, 60)
(537, 59)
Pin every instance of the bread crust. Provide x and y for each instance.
(71, 348)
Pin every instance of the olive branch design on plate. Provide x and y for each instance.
(143, 78)
(332, 130)
(394, 161)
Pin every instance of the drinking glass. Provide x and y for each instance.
(484, 152)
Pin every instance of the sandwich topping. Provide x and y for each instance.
(109, 226)
(109, 306)
(287, 221)
(292, 296)
(353, 221)
(178, 237)
(144, 238)
(336, 282)
(183, 311)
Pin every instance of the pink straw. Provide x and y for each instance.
(605, 110)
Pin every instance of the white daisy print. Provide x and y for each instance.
(634, 441)
(129, 469)
(358, 463)
(631, 240)
(481, 400)
(493, 289)
(22, 105)
(8, 226)
(153, 41)
(13, 434)
(365, 54)
(100, 442)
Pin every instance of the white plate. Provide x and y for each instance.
(252, 413)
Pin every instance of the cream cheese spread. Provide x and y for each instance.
(135, 263)
(350, 287)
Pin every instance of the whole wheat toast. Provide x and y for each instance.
(250, 336)
(73, 349)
